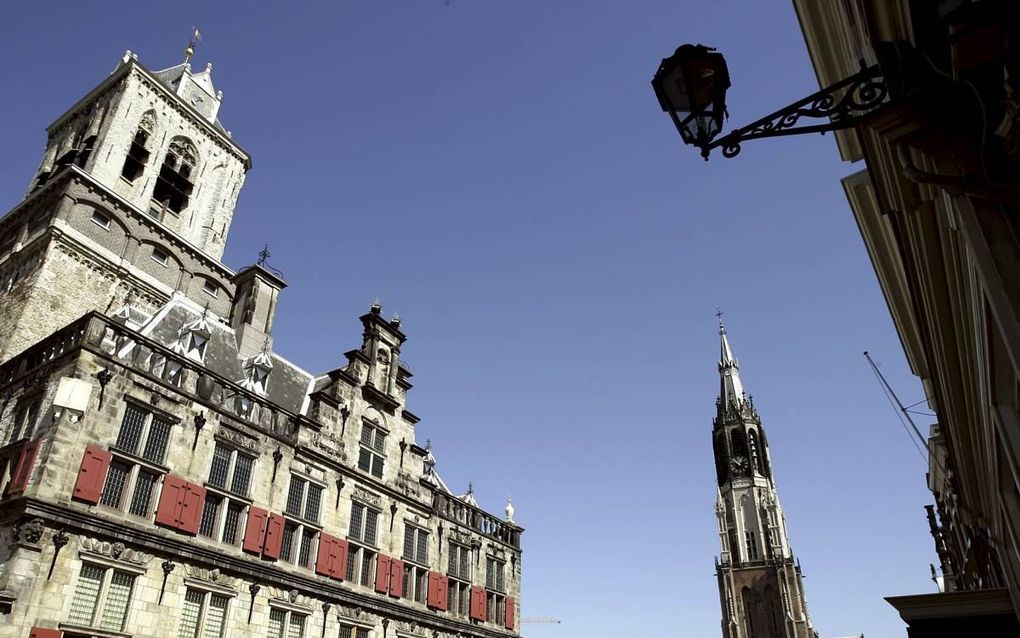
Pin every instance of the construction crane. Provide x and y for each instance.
(542, 621)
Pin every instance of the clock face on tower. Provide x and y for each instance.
(739, 466)
(197, 98)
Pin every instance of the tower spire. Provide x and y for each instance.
(731, 389)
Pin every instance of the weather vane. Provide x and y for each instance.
(196, 36)
(263, 260)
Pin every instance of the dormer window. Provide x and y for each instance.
(196, 346)
(193, 339)
(257, 369)
(138, 155)
(259, 379)
(173, 186)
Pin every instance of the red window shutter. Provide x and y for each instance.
(323, 561)
(444, 592)
(339, 559)
(382, 574)
(255, 530)
(433, 600)
(168, 511)
(396, 578)
(438, 595)
(92, 475)
(43, 632)
(509, 624)
(191, 508)
(477, 603)
(274, 537)
(19, 479)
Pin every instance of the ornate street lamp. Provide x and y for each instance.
(691, 86)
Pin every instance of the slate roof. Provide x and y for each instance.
(287, 384)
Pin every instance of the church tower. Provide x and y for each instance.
(129, 208)
(760, 586)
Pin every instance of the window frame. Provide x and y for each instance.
(352, 630)
(495, 607)
(228, 497)
(203, 609)
(137, 463)
(99, 603)
(26, 412)
(458, 597)
(374, 451)
(416, 580)
(415, 534)
(104, 221)
(164, 261)
(288, 614)
(495, 581)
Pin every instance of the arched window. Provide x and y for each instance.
(173, 186)
(138, 155)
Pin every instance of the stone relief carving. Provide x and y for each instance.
(364, 495)
(290, 596)
(30, 532)
(230, 435)
(116, 551)
(459, 536)
(331, 444)
(407, 484)
(213, 576)
(357, 615)
(410, 627)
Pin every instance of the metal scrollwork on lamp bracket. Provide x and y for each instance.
(843, 103)
(691, 87)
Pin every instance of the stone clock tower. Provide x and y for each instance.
(760, 586)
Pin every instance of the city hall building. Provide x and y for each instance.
(163, 471)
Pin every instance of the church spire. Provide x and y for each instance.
(731, 390)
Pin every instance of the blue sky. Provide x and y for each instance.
(499, 173)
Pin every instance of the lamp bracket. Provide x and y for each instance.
(844, 104)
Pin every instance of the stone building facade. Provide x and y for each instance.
(761, 590)
(163, 471)
(934, 194)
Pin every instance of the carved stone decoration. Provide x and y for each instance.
(410, 627)
(407, 484)
(331, 444)
(212, 576)
(30, 532)
(367, 497)
(291, 597)
(355, 614)
(229, 435)
(116, 551)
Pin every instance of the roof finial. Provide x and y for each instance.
(719, 316)
(376, 306)
(263, 260)
(196, 36)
